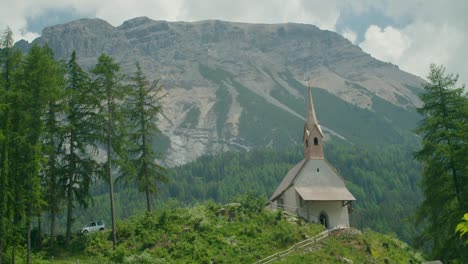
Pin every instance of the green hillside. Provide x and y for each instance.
(240, 232)
(384, 183)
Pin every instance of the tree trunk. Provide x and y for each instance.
(52, 229)
(70, 191)
(109, 171)
(148, 201)
(13, 247)
(29, 223)
(39, 232)
(1, 251)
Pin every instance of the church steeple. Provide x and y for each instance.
(313, 136)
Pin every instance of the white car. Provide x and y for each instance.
(93, 227)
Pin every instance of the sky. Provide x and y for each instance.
(409, 33)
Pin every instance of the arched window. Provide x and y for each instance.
(315, 141)
(307, 143)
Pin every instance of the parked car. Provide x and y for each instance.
(93, 227)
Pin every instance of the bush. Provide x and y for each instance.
(143, 258)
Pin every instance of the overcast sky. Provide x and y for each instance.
(408, 33)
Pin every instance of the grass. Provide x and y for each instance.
(358, 247)
(232, 233)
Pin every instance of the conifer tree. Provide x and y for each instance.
(42, 80)
(53, 149)
(443, 155)
(6, 66)
(144, 107)
(108, 88)
(80, 134)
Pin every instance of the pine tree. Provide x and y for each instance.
(144, 107)
(42, 82)
(109, 90)
(443, 155)
(5, 83)
(53, 149)
(80, 134)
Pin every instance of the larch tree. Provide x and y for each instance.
(444, 157)
(42, 83)
(110, 91)
(80, 133)
(144, 106)
(6, 66)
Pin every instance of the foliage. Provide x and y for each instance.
(382, 181)
(355, 247)
(216, 233)
(199, 234)
(79, 132)
(462, 227)
(444, 153)
(143, 108)
(54, 119)
(110, 92)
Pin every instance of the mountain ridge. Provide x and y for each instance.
(221, 76)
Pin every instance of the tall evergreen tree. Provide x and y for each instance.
(12, 147)
(53, 148)
(144, 107)
(80, 134)
(42, 81)
(111, 92)
(443, 155)
(6, 44)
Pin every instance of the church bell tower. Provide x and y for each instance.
(313, 136)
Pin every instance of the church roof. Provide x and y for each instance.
(311, 117)
(315, 179)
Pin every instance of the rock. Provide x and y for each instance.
(222, 77)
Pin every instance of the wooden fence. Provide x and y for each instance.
(298, 246)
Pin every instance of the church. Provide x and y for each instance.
(314, 189)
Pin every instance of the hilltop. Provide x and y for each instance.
(231, 233)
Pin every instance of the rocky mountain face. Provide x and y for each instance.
(240, 86)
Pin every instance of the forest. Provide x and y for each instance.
(78, 145)
(61, 129)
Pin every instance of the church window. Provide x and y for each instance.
(318, 170)
(280, 203)
(315, 141)
(307, 143)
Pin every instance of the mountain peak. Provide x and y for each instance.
(135, 22)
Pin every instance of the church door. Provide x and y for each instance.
(323, 218)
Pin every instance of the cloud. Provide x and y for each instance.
(349, 35)
(413, 33)
(433, 32)
(385, 44)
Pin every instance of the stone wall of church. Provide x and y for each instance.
(290, 200)
(336, 213)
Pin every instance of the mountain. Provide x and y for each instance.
(239, 86)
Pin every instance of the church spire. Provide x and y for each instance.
(311, 117)
(313, 136)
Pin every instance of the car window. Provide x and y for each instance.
(93, 224)
(99, 222)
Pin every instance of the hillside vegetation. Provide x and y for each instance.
(384, 183)
(232, 233)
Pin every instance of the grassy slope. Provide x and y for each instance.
(361, 247)
(201, 234)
